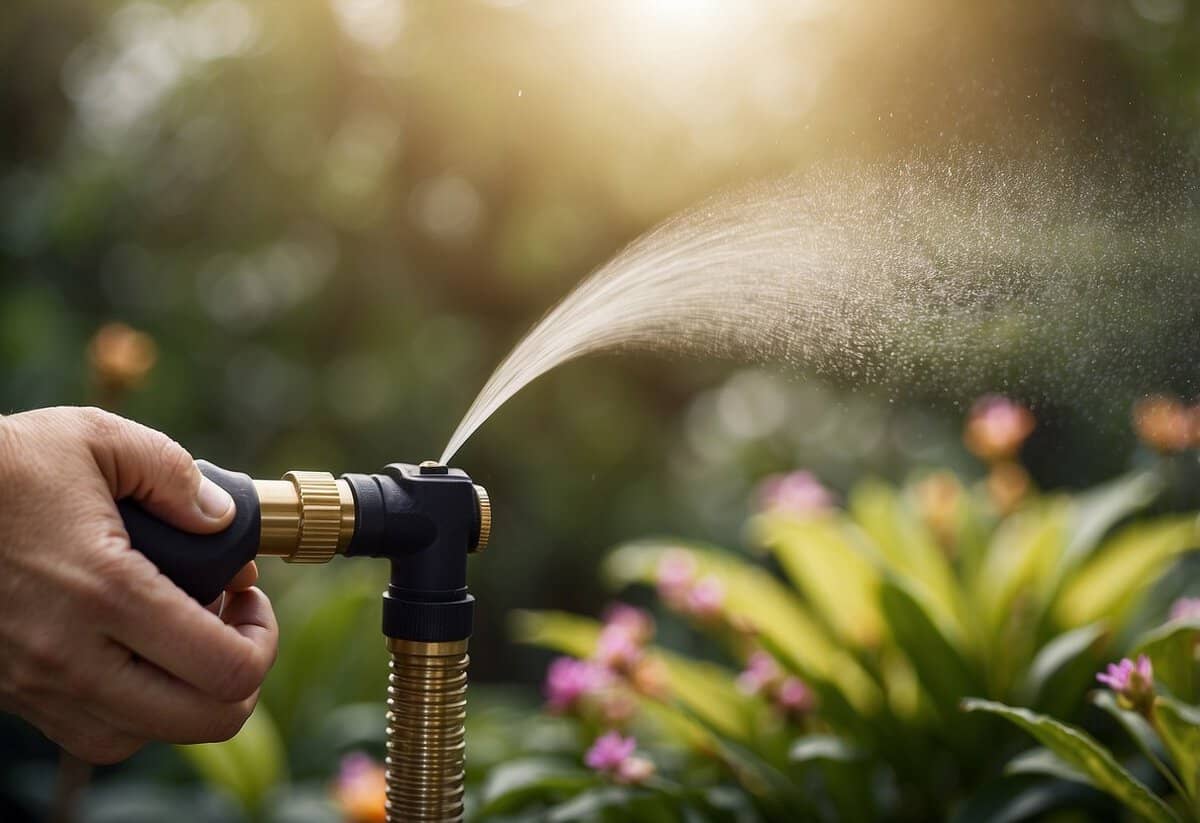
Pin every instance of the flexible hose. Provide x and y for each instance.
(426, 740)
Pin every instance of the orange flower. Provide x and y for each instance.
(997, 427)
(121, 356)
(360, 790)
(1165, 424)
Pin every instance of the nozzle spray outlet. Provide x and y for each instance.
(425, 519)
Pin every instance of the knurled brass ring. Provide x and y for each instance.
(320, 516)
(485, 518)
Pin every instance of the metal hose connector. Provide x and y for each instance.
(426, 740)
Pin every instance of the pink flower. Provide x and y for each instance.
(996, 428)
(760, 672)
(797, 492)
(794, 696)
(676, 571)
(706, 597)
(1186, 608)
(613, 754)
(1133, 682)
(616, 649)
(609, 752)
(569, 680)
(636, 622)
(635, 770)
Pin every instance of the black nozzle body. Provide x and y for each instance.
(425, 520)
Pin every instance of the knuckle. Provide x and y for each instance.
(173, 460)
(101, 426)
(110, 591)
(46, 656)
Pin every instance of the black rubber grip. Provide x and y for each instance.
(200, 564)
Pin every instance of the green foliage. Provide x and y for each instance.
(1088, 759)
(894, 612)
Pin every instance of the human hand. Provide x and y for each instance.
(97, 648)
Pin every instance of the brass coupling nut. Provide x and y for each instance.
(307, 517)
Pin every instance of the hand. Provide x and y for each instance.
(97, 648)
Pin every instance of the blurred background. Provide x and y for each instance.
(300, 233)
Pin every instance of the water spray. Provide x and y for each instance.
(425, 519)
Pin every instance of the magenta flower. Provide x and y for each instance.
(613, 755)
(760, 672)
(706, 597)
(569, 680)
(675, 574)
(794, 696)
(609, 752)
(1186, 608)
(1133, 682)
(797, 492)
(616, 648)
(636, 622)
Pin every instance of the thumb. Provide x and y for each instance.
(144, 464)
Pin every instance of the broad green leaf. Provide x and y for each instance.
(754, 597)
(1179, 725)
(1110, 583)
(1044, 761)
(781, 795)
(1060, 666)
(1142, 733)
(823, 747)
(943, 673)
(906, 547)
(1019, 560)
(1173, 649)
(1094, 512)
(320, 614)
(824, 561)
(706, 689)
(1082, 752)
(511, 785)
(247, 765)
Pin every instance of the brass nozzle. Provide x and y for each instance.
(306, 518)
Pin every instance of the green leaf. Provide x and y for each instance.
(1082, 752)
(1141, 732)
(247, 765)
(826, 563)
(1044, 761)
(1098, 510)
(943, 673)
(1019, 560)
(515, 784)
(1109, 585)
(1060, 667)
(1172, 649)
(908, 549)
(823, 747)
(1179, 726)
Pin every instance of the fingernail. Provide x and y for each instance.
(213, 500)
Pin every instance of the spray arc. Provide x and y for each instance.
(425, 519)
